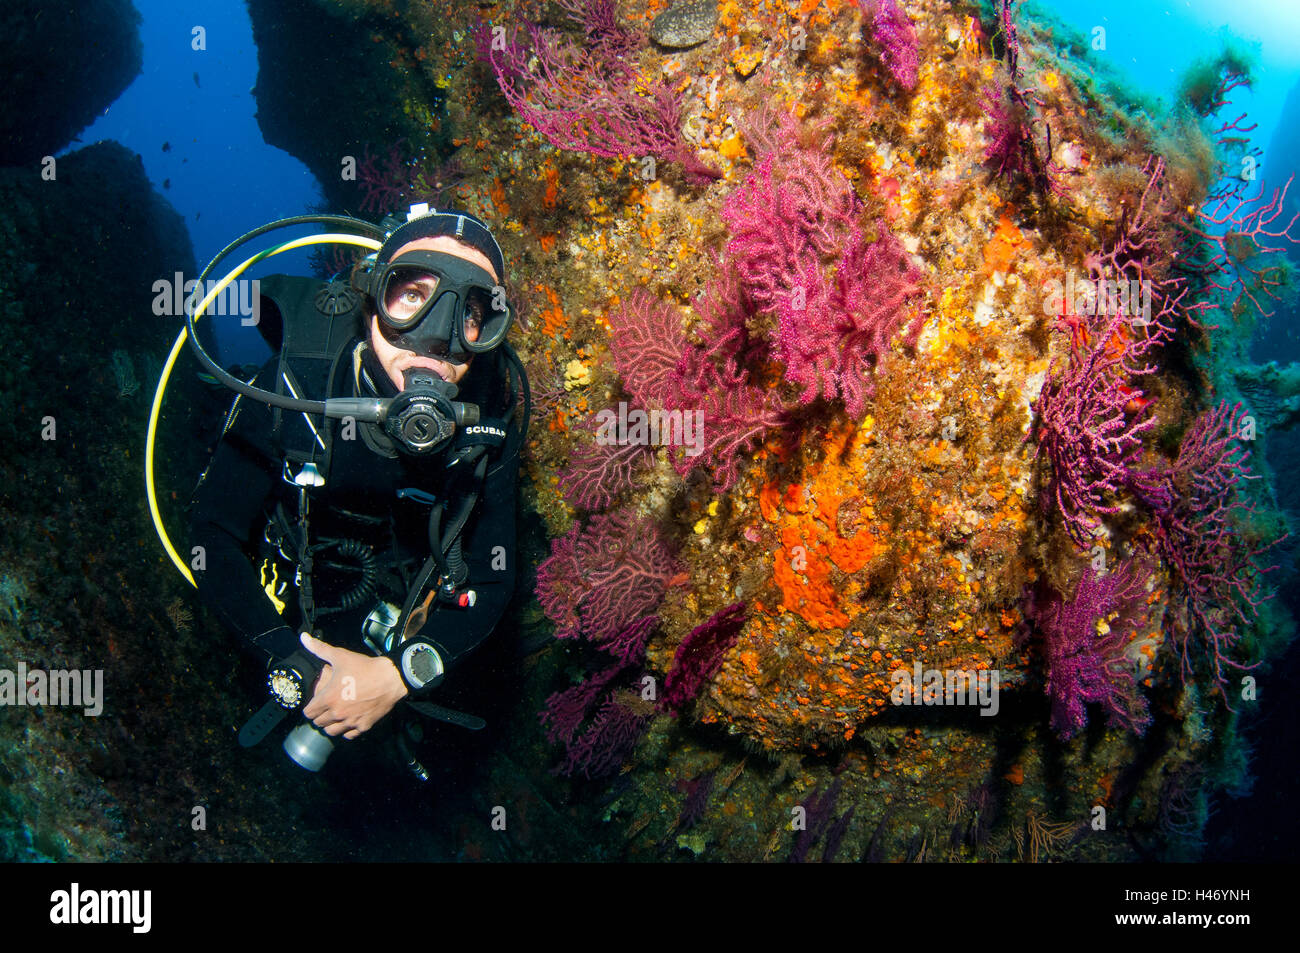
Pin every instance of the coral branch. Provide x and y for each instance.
(566, 710)
(647, 344)
(600, 577)
(699, 656)
(1199, 512)
(1087, 432)
(606, 743)
(833, 341)
(588, 100)
(1084, 648)
(1234, 234)
(896, 38)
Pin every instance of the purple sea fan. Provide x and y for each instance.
(1012, 149)
(599, 20)
(819, 809)
(1086, 431)
(1143, 250)
(1084, 643)
(793, 209)
(835, 836)
(896, 37)
(832, 335)
(734, 420)
(1199, 509)
(697, 799)
(565, 710)
(1009, 144)
(606, 743)
(629, 645)
(600, 577)
(647, 345)
(598, 472)
(387, 181)
(727, 350)
(588, 100)
(700, 655)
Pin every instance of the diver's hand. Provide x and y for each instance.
(354, 690)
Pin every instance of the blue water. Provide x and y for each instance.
(1153, 41)
(218, 173)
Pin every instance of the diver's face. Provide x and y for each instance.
(395, 360)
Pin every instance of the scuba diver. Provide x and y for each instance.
(365, 551)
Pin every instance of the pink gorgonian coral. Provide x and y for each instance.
(1084, 648)
(794, 209)
(1089, 428)
(588, 99)
(1142, 250)
(565, 710)
(1201, 517)
(602, 748)
(896, 39)
(601, 576)
(834, 333)
(599, 472)
(647, 342)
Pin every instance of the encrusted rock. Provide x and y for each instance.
(746, 59)
(686, 24)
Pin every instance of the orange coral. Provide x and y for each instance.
(552, 193)
(497, 193)
(554, 324)
(1003, 247)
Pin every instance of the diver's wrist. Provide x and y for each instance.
(277, 643)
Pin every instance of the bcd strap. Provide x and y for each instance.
(318, 320)
(488, 432)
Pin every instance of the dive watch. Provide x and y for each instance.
(421, 665)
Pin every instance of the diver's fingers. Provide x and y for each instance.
(354, 733)
(318, 702)
(316, 647)
(335, 729)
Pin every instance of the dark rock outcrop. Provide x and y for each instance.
(326, 89)
(63, 63)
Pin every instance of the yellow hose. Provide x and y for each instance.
(154, 411)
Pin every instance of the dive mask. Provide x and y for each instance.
(437, 304)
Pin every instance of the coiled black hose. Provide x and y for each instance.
(366, 564)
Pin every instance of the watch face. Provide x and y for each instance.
(285, 687)
(422, 663)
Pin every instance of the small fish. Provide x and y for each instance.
(167, 147)
(167, 183)
(1136, 400)
(196, 80)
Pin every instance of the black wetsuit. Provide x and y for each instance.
(358, 501)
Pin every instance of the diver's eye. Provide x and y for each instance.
(407, 295)
(473, 322)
